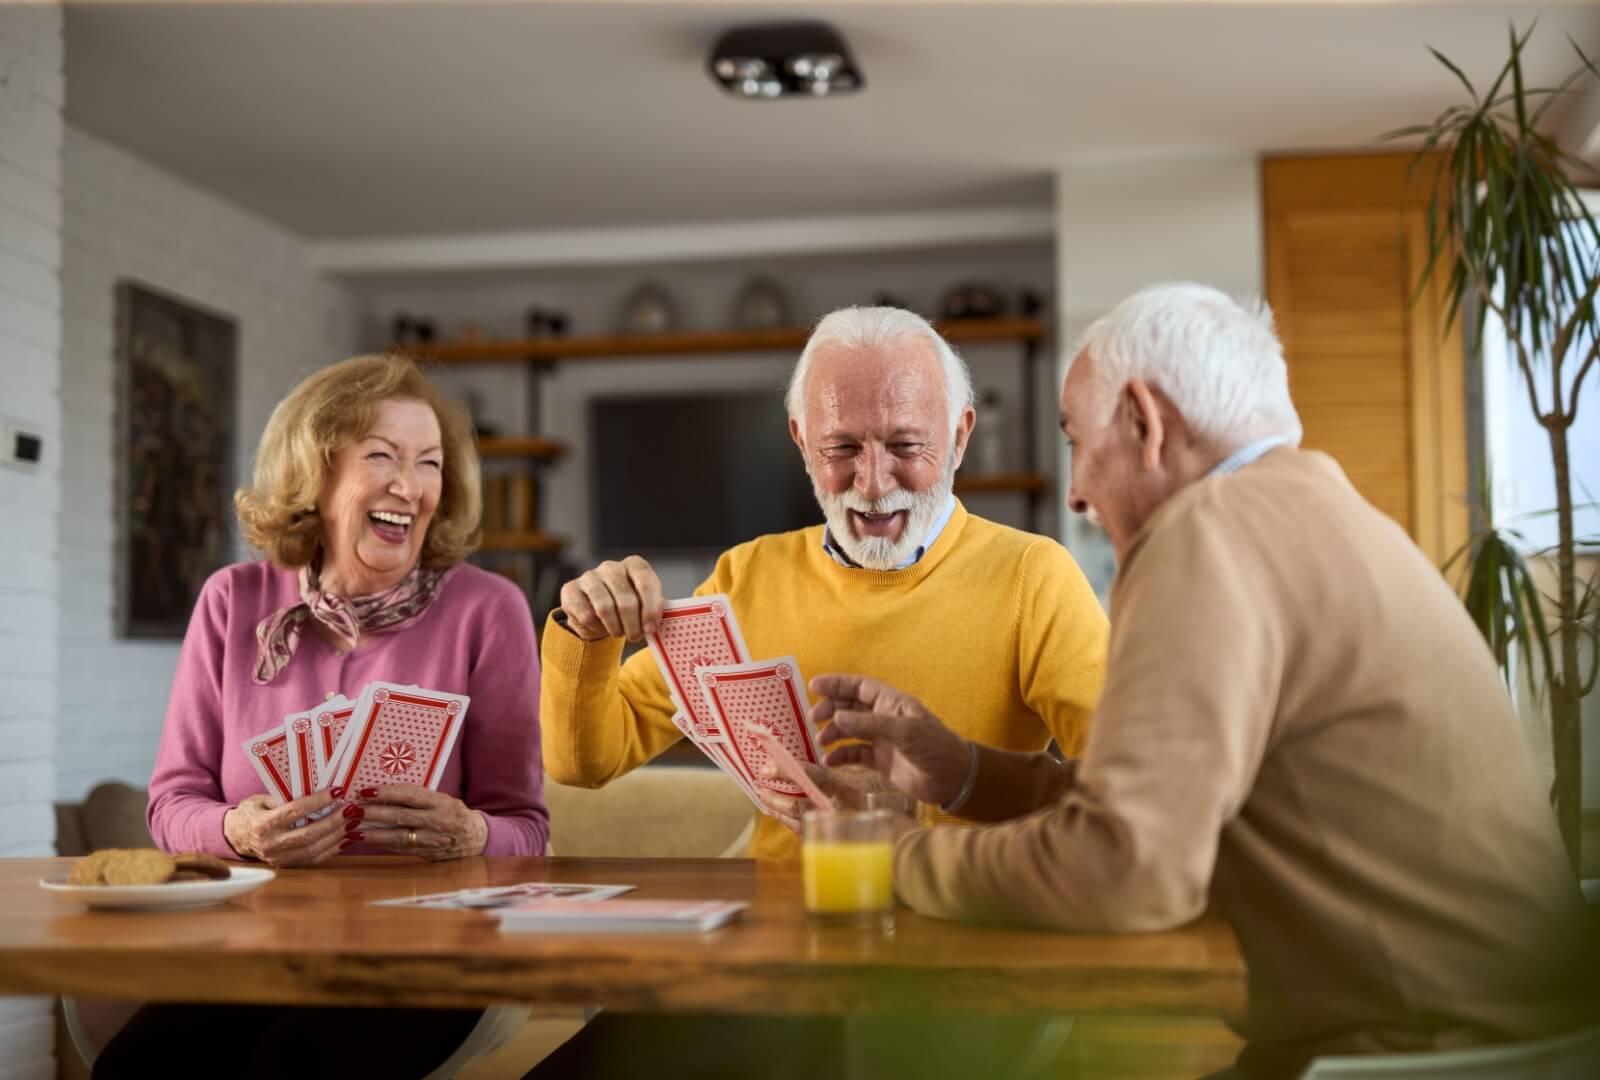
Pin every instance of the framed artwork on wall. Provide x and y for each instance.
(176, 384)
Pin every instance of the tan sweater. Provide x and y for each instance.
(1300, 725)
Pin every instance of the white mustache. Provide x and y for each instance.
(893, 502)
(1094, 517)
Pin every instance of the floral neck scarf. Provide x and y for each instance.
(278, 635)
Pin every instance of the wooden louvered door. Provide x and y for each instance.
(1378, 385)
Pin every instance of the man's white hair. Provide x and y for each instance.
(1219, 361)
(879, 328)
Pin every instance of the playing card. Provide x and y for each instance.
(717, 750)
(767, 692)
(269, 756)
(692, 634)
(331, 721)
(302, 757)
(400, 735)
(499, 896)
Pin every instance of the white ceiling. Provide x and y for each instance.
(406, 119)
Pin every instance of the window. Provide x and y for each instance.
(1523, 484)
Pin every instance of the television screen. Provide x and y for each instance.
(692, 475)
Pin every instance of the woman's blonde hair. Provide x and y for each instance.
(324, 413)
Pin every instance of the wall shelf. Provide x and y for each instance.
(982, 483)
(521, 446)
(682, 342)
(534, 541)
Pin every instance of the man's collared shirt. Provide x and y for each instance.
(1247, 453)
(842, 559)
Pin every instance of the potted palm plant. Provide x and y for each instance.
(1507, 224)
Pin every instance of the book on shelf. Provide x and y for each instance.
(620, 916)
(521, 513)
(496, 492)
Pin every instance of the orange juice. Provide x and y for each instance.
(844, 876)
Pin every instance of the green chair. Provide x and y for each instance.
(1567, 1057)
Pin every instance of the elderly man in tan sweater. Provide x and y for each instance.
(1300, 727)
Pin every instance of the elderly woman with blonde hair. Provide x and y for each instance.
(365, 503)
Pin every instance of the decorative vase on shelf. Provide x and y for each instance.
(991, 438)
(972, 302)
(545, 323)
(761, 305)
(484, 429)
(649, 309)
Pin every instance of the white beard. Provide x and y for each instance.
(880, 552)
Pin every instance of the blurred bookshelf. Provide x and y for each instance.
(687, 343)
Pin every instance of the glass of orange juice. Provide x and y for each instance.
(847, 858)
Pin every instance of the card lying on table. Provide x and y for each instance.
(620, 916)
(503, 896)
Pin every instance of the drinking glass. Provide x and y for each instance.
(847, 859)
(897, 803)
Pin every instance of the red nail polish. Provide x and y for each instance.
(354, 811)
(348, 841)
(337, 791)
(353, 823)
(368, 793)
(353, 838)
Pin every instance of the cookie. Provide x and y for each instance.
(91, 869)
(198, 862)
(140, 866)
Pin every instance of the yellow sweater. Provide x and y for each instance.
(994, 629)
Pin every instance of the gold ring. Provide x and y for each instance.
(411, 838)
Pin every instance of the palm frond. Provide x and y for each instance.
(1446, 61)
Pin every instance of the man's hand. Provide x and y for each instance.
(898, 737)
(428, 824)
(258, 830)
(615, 599)
(846, 787)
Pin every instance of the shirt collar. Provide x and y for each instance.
(939, 523)
(1247, 453)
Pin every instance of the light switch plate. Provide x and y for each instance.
(20, 447)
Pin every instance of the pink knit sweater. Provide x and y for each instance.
(476, 639)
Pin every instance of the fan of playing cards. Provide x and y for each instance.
(721, 694)
(390, 734)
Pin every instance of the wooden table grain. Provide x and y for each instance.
(312, 937)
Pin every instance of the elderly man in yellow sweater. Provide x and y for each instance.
(1300, 727)
(994, 626)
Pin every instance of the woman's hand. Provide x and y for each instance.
(429, 825)
(258, 830)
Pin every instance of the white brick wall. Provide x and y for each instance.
(31, 96)
(125, 218)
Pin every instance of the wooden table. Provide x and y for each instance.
(311, 936)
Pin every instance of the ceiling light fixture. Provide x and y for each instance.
(782, 59)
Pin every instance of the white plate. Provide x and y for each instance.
(178, 894)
